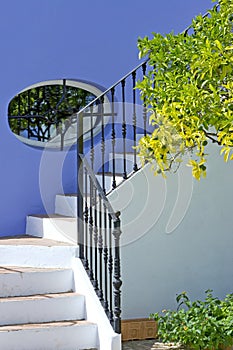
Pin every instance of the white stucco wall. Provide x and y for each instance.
(159, 260)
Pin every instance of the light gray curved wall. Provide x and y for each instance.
(197, 255)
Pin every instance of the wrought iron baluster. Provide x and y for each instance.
(135, 167)
(102, 142)
(80, 224)
(123, 129)
(86, 219)
(105, 304)
(117, 277)
(92, 152)
(91, 229)
(95, 282)
(144, 103)
(113, 138)
(100, 248)
(110, 269)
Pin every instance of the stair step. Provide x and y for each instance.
(24, 281)
(37, 252)
(53, 226)
(66, 204)
(42, 308)
(63, 335)
(66, 209)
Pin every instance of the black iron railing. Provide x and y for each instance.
(99, 231)
(122, 117)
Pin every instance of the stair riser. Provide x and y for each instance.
(30, 283)
(65, 338)
(53, 228)
(49, 309)
(38, 256)
(67, 205)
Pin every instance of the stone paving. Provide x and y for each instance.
(138, 344)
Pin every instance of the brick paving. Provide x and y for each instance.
(138, 344)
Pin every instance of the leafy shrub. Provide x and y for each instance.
(198, 324)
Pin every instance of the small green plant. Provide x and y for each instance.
(199, 324)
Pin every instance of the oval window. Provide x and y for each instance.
(43, 112)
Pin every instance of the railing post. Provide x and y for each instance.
(80, 177)
(113, 135)
(117, 282)
(144, 102)
(135, 166)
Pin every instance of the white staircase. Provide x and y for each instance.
(62, 225)
(47, 301)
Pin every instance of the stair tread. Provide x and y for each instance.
(27, 240)
(24, 269)
(40, 296)
(44, 325)
(53, 216)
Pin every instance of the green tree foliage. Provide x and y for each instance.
(188, 91)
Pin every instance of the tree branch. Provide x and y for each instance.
(210, 135)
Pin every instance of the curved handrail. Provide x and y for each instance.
(112, 87)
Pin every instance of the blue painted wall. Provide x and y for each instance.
(50, 39)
